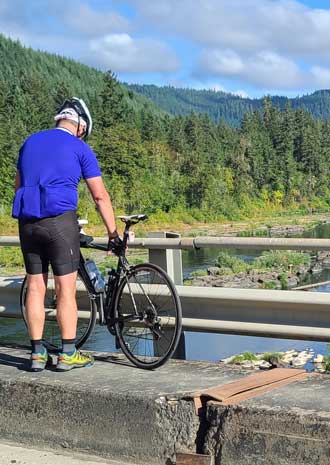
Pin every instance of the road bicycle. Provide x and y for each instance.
(138, 304)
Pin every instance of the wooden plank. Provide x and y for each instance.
(248, 387)
(262, 389)
(247, 383)
(192, 459)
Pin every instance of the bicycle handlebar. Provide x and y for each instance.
(87, 241)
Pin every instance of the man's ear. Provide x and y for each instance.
(82, 132)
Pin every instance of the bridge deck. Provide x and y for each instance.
(118, 411)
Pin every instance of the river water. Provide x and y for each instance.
(200, 346)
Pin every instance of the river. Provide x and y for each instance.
(200, 346)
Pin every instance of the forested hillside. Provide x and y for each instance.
(226, 106)
(187, 167)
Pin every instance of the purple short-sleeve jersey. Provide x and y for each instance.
(51, 164)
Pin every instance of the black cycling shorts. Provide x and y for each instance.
(54, 241)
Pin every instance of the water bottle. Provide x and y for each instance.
(95, 276)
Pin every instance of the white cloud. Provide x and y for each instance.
(286, 27)
(122, 53)
(321, 76)
(220, 62)
(89, 22)
(267, 69)
(270, 44)
(264, 69)
(99, 38)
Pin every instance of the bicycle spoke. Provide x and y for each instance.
(149, 339)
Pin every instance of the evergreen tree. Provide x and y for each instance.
(112, 105)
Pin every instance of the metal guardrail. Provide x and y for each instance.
(162, 241)
(269, 313)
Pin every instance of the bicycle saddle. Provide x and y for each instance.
(133, 218)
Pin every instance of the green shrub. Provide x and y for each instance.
(246, 356)
(269, 285)
(282, 260)
(236, 265)
(283, 277)
(326, 363)
(326, 360)
(198, 273)
(268, 355)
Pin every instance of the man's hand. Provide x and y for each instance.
(115, 245)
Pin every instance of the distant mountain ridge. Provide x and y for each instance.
(75, 78)
(222, 105)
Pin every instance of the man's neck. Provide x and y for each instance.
(68, 127)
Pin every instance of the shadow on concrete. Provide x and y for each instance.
(19, 363)
(115, 359)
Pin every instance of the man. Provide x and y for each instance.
(49, 169)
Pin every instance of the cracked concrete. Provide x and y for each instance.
(287, 426)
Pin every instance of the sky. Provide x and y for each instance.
(247, 47)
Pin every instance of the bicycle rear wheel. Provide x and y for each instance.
(148, 316)
(86, 307)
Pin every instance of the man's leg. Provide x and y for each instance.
(67, 317)
(35, 318)
(67, 313)
(34, 304)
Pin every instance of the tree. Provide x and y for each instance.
(112, 105)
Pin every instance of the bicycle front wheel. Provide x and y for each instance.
(87, 312)
(148, 316)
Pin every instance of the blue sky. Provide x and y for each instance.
(249, 47)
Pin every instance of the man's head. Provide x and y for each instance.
(74, 115)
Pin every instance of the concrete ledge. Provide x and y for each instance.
(287, 426)
(111, 409)
(115, 410)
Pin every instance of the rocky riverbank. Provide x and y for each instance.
(292, 276)
(290, 358)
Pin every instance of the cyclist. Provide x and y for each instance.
(50, 166)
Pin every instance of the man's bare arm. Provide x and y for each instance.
(103, 203)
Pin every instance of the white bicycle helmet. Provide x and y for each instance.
(75, 109)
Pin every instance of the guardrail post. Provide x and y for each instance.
(168, 259)
(171, 261)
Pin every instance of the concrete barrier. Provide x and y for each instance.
(115, 410)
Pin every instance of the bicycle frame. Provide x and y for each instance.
(105, 301)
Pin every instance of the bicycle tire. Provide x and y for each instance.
(52, 336)
(125, 331)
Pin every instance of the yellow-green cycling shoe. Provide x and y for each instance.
(77, 359)
(39, 360)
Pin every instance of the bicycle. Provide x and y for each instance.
(139, 305)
